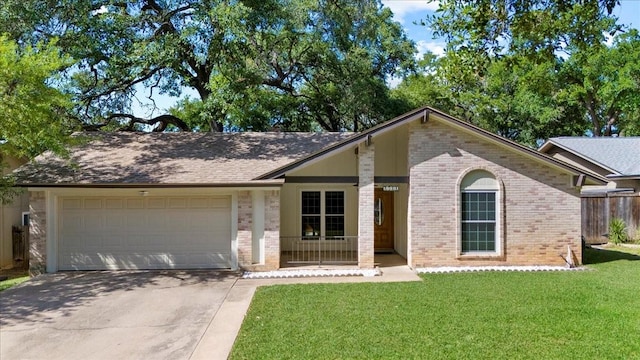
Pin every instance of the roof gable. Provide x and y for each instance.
(428, 114)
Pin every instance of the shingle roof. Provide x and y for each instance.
(618, 154)
(423, 114)
(173, 158)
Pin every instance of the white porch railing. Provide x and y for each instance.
(339, 250)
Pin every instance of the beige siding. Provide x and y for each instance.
(344, 163)
(290, 208)
(390, 160)
(10, 215)
(391, 152)
(541, 211)
(400, 222)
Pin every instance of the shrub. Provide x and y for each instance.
(618, 231)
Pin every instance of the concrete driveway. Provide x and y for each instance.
(111, 315)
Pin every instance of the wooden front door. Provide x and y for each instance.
(383, 220)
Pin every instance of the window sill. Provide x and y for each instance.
(481, 256)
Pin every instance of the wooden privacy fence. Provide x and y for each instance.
(599, 210)
(20, 246)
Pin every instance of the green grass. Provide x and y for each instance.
(5, 284)
(591, 314)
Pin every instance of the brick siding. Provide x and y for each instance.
(272, 230)
(540, 209)
(245, 223)
(37, 233)
(366, 197)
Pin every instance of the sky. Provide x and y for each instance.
(409, 13)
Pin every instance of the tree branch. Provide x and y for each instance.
(160, 122)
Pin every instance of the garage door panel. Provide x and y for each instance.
(93, 223)
(72, 223)
(115, 221)
(158, 220)
(144, 233)
(71, 203)
(157, 203)
(112, 242)
(114, 204)
(177, 203)
(132, 203)
(91, 203)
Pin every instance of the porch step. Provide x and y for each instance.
(302, 273)
(384, 251)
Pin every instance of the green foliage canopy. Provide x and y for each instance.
(298, 64)
(532, 69)
(34, 112)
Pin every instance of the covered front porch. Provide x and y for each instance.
(347, 209)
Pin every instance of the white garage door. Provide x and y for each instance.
(182, 232)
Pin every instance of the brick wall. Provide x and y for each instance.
(366, 159)
(272, 230)
(245, 224)
(37, 233)
(540, 210)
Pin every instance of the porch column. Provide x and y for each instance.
(272, 230)
(37, 233)
(366, 160)
(245, 227)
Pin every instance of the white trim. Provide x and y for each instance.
(25, 215)
(151, 191)
(499, 203)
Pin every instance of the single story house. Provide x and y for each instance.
(617, 159)
(434, 189)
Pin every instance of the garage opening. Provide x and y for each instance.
(169, 232)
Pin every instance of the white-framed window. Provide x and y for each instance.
(322, 214)
(25, 218)
(480, 213)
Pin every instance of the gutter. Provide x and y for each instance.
(260, 183)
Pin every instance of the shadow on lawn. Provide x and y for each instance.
(598, 256)
(63, 292)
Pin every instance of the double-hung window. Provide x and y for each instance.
(322, 214)
(479, 218)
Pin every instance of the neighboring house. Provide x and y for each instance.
(434, 189)
(615, 158)
(12, 214)
(618, 160)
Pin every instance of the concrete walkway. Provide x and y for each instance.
(218, 339)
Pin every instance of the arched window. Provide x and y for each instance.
(480, 199)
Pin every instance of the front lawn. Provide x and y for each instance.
(13, 278)
(592, 314)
